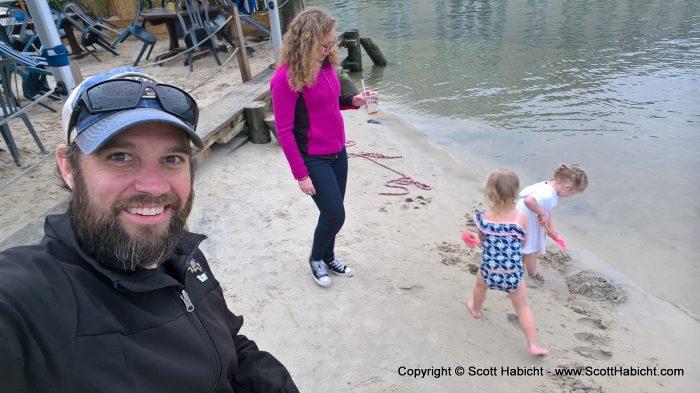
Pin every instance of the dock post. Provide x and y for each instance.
(373, 51)
(351, 40)
(255, 121)
(237, 34)
(290, 9)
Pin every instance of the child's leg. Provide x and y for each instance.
(531, 264)
(478, 296)
(527, 322)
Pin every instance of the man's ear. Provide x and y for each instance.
(64, 165)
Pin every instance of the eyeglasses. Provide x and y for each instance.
(120, 94)
(327, 46)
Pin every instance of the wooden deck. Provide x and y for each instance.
(223, 120)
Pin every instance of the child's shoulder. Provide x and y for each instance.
(511, 225)
(543, 187)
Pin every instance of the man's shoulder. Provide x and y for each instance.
(29, 269)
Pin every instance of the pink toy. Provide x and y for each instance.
(556, 239)
(470, 239)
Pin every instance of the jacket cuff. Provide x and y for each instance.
(346, 101)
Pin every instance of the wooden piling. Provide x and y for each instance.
(351, 40)
(255, 121)
(373, 51)
(290, 10)
(237, 34)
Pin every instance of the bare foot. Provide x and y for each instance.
(538, 351)
(538, 277)
(470, 305)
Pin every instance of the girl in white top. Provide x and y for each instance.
(537, 202)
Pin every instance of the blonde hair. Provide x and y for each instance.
(502, 187)
(573, 174)
(302, 43)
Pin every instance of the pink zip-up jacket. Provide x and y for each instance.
(310, 123)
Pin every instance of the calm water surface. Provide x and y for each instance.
(611, 85)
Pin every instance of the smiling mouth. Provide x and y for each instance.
(146, 211)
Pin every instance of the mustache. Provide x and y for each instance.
(146, 199)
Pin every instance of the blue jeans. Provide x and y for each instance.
(329, 176)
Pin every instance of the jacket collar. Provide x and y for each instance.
(60, 228)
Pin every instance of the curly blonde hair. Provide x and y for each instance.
(301, 45)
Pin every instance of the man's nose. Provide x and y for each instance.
(151, 179)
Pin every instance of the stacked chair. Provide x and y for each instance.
(9, 105)
(196, 28)
(97, 31)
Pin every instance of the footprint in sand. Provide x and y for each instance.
(593, 323)
(593, 353)
(513, 319)
(591, 338)
(416, 288)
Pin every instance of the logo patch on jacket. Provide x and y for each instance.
(194, 267)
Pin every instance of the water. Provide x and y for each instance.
(611, 85)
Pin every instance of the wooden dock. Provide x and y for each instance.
(223, 120)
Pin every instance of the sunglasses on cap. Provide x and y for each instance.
(120, 94)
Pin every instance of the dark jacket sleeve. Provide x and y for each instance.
(259, 371)
(346, 102)
(11, 361)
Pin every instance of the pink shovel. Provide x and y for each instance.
(470, 239)
(556, 239)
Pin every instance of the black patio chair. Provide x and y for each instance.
(94, 30)
(9, 104)
(140, 32)
(195, 27)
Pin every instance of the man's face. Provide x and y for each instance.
(132, 197)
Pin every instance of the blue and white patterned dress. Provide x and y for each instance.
(501, 250)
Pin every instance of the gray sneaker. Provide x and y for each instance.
(320, 273)
(338, 268)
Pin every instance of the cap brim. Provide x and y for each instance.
(95, 136)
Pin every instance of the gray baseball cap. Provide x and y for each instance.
(90, 131)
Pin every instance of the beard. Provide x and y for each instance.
(102, 236)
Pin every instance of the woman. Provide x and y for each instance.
(307, 102)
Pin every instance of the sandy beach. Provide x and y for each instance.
(403, 313)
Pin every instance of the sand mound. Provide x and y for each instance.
(587, 283)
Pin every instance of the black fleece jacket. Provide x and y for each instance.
(67, 324)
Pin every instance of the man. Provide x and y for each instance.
(117, 297)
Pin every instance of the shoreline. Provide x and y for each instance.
(577, 218)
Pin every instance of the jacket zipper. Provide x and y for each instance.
(336, 113)
(189, 307)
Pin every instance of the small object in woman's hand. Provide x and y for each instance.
(470, 239)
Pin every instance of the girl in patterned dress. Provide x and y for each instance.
(502, 232)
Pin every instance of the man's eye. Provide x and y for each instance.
(121, 157)
(174, 160)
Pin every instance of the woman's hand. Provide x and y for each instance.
(307, 186)
(359, 100)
